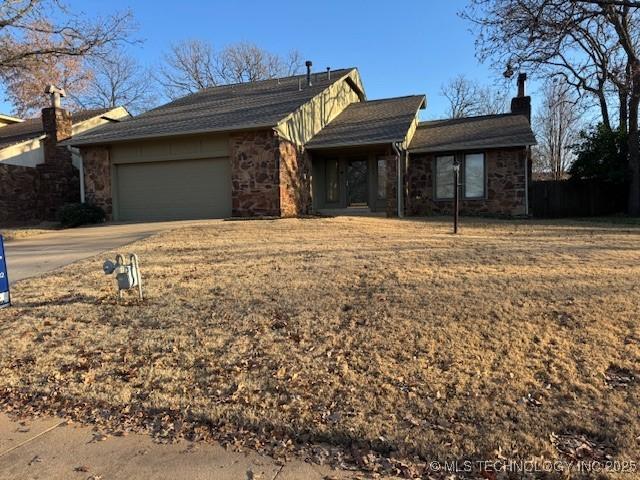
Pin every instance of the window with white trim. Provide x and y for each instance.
(474, 175)
(444, 177)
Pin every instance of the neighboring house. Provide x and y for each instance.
(37, 175)
(304, 144)
(8, 120)
(21, 141)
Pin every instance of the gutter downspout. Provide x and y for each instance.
(398, 150)
(76, 152)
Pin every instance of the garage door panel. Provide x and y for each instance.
(174, 190)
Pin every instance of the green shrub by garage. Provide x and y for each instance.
(76, 214)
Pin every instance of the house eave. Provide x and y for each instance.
(135, 138)
(382, 143)
(470, 148)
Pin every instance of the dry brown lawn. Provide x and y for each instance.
(22, 233)
(513, 340)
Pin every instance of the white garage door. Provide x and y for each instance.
(175, 190)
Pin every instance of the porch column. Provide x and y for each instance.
(391, 163)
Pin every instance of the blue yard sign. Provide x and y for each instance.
(5, 298)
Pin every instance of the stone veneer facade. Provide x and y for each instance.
(97, 178)
(506, 186)
(18, 194)
(270, 176)
(295, 180)
(254, 174)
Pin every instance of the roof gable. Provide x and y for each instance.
(243, 106)
(372, 122)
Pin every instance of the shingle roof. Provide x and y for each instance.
(372, 122)
(490, 131)
(32, 127)
(225, 108)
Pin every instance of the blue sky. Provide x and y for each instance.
(401, 47)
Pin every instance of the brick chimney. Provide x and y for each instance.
(59, 182)
(521, 105)
(57, 126)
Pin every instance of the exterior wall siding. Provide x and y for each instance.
(168, 149)
(505, 186)
(255, 176)
(313, 116)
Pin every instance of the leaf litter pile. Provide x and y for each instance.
(366, 343)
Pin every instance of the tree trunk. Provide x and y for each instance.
(624, 112)
(604, 109)
(633, 145)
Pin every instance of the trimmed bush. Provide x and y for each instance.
(76, 214)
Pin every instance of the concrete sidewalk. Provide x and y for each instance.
(51, 449)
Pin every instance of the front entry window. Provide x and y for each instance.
(331, 175)
(382, 179)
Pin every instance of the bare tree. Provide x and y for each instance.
(70, 34)
(557, 126)
(460, 92)
(25, 85)
(118, 80)
(188, 67)
(468, 98)
(193, 65)
(492, 101)
(592, 46)
(246, 62)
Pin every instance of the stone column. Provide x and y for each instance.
(391, 162)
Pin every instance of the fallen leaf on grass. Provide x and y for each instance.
(616, 377)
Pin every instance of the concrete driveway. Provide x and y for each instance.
(52, 448)
(46, 252)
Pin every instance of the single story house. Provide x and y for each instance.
(304, 144)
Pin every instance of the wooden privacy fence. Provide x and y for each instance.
(576, 198)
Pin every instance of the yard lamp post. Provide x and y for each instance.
(456, 196)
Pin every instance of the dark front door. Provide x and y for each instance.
(357, 187)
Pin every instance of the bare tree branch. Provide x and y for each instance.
(73, 35)
(468, 98)
(118, 81)
(557, 126)
(193, 65)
